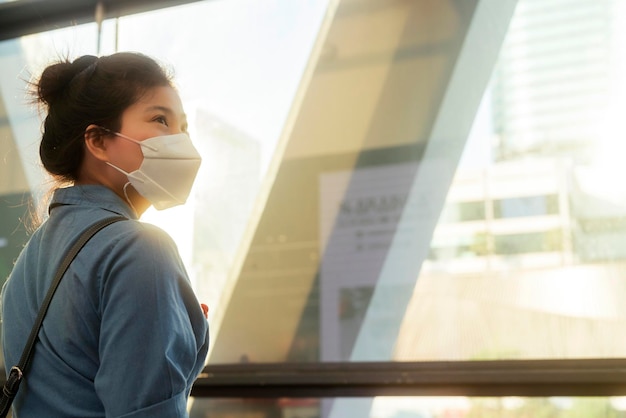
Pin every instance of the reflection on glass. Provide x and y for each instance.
(333, 261)
(553, 232)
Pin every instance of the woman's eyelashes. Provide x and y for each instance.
(161, 119)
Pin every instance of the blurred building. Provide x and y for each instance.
(553, 81)
(533, 246)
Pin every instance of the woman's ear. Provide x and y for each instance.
(95, 143)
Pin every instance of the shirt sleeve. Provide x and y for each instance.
(153, 336)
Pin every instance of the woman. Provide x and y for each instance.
(124, 334)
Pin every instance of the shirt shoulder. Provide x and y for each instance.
(142, 244)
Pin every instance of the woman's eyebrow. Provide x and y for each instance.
(164, 109)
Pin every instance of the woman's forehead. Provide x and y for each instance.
(161, 98)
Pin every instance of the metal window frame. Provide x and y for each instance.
(25, 17)
(494, 378)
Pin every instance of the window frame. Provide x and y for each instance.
(25, 17)
(492, 378)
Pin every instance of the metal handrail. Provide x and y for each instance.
(497, 378)
(545, 378)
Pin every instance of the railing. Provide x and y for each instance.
(586, 377)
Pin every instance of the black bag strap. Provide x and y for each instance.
(17, 372)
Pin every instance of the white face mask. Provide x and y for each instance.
(169, 168)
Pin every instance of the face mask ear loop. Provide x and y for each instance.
(140, 143)
(128, 199)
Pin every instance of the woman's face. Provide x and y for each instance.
(159, 112)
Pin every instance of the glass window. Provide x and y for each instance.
(537, 242)
(526, 206)
(463, 212)
(459, 246)
(375, 172)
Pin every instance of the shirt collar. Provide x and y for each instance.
(91, 195)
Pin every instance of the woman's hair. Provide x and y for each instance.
(89, 90)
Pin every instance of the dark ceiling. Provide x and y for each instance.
(24, 17)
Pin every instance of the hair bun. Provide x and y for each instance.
(57, 77)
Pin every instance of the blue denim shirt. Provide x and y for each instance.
(124, 336)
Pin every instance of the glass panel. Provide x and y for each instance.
(541, 161)
(349, 213)
(411, 407)
(385, 180)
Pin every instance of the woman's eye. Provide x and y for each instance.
(161, 119)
